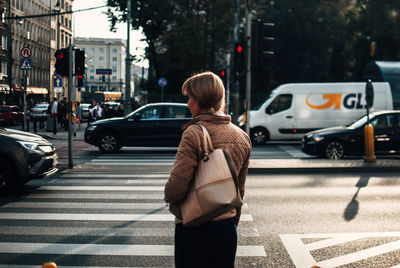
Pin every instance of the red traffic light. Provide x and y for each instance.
(239, 48)
(80, 76)
(222, 73)
(59, 55)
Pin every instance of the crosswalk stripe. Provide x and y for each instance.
(97, 181)
(110, 250)
(132, 160)
(119, 163)
(86, 205)
(68, 195)
(102, 175)
(65, 266)
(97, 217)
(106, 231)
(63, 205)
(101, 188)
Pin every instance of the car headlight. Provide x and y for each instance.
(29, 145)
(91, 128)
(317, 138)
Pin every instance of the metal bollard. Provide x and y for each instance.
(369, 144)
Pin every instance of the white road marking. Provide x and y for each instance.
(101, 188)
(104, 175)
(133, 160)
(110, 249)
(97, 217)
(105, 231)
(301, 253)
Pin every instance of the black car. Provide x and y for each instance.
(24, 156)
(157, 124)
(336, 142)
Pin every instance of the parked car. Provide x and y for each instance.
(338, 142)
(39, 110)
(157, 124)
(10, 115)
(24, 156)
(85, 110)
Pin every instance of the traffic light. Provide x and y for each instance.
(239, 58)
(61, 64)
(80, 62)
(222, 74)
(80, 80)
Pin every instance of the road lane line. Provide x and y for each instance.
(124, 175)
(98, 217)
(110, 250)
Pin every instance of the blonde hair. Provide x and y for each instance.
(207, 89)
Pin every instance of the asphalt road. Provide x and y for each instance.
(108, 211)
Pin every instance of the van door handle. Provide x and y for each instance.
(289, 116)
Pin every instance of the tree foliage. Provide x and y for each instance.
(315, 40)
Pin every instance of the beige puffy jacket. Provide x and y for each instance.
(224, 135)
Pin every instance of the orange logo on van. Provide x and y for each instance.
(332, 100)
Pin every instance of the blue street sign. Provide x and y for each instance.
(162, 82)
(58, 82)
(104, 71)
(25, 64)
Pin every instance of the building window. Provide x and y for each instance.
(114, 77)
(4, 42)
(92, 77)
(114, 59)
(91, 50)
(101, 50)
(101, 58)
(114, 69)
(115, 51)
(91, 68)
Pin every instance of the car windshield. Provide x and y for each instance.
(40, 106)
(359, 123)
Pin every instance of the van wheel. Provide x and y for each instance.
(109, 142)
(334, 149)
(259, 136)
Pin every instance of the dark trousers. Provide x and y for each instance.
(211, 245)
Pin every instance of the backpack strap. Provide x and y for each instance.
(206, 141)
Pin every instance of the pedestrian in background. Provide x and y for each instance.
(79, 114)
(54, 114)
(213, 244)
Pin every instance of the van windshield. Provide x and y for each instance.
(271, 96)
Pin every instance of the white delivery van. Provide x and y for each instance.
(295, 109)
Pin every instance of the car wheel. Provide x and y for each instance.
(109, 142)
(8, 177)
(259, 136)
(334, 149)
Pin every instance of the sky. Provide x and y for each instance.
(94, 23)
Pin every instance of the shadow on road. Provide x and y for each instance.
(352, 208)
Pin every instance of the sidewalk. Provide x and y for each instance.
(262, 166)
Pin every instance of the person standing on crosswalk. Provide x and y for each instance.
(213, 244)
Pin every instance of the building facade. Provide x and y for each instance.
(104, 54)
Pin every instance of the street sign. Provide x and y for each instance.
(58, 90)
(162, 82)
(26, 52)
(104, 71)
(25, 64)
(58, 82)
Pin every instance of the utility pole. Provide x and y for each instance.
(248, 67)
(235, 86)
(128, 61)
(9, 46)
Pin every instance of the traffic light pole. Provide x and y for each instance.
(127, 104)
(70, 88)
(248, 68)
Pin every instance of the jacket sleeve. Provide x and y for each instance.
(186, 161)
